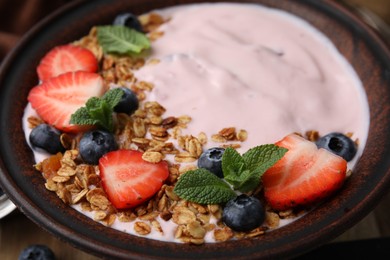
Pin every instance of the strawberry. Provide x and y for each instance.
(56, 99)
(303, 176)
(128, 180)
(66, 58)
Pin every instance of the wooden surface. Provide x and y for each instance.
(18, 232)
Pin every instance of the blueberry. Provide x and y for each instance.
(1, 192)
(95, 144)
(46, 137)
(129, 20)
(243, 213)
(128, 103)
(37, 252)
(211, 160)
(339, 144)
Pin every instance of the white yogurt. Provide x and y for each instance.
(253, 68)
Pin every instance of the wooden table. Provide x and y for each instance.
(18, 232)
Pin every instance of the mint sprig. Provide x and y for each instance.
(203, 187)
(252, 164)
(243, 173)
(121, 39)
(98, 111)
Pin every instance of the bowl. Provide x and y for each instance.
(361, 46)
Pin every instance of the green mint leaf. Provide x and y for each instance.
(244, 172)
(113, 97)
(101, 111)
(249, 182)
(121, 39)
(82, 117)
(98, 111)
(203, 187)
(232, 166)
(245, 182)
(260, 158)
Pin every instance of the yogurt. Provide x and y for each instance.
(249, 67)
(254, 68)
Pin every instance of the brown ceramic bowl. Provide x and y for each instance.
(357, 42)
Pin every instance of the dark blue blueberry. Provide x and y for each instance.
(339, 144)
(128, 20)
(211, 160)
(1, 192)
(128, 103)
(95, 144)
(37, 252)
(46, 137)
(243, 213)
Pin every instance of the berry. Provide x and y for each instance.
(211, 160)
(95, 144)
(46, 137)
(128, 179)
(303, 176)
(37, 252)
(1, 192)
(56, 99)
(129, 20)
(243, 213)
(128, 103)
(66, 58)
(338, 144)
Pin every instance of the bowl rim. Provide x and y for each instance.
(84, 242)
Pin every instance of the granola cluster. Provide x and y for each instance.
(160, 138)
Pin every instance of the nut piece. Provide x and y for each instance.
(142, 228)
(228, 133)
(169, 122)
(242, 135)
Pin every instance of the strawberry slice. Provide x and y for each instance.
(129, 180)
(66, 58)
(56, 99)
(303, 176)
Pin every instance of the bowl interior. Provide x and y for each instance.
(371, 179)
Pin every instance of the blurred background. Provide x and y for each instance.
(18, 232)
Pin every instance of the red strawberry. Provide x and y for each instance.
(129, 180)
(66, 58)
(304, 175)
(56, 99)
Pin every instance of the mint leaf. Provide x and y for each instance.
(232, 166)
(113, 97)
(203, 187)
(82, 117)
(261, 158)
(101, 112)
(249, 182)
(98, 111)
(246, 181)
(121, 39)
(244, 172)
(236, 172)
